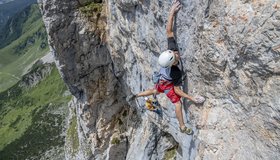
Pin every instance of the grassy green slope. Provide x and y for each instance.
(29, 124)
(18, 56)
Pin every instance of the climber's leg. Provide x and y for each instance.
(147, 92)
(179, 113)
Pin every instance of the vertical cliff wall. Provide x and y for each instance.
(107, 50)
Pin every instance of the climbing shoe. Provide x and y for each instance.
(130, 97)
(186, 130)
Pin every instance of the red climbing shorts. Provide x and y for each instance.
(168, 88)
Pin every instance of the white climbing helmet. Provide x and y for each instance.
(166, 59)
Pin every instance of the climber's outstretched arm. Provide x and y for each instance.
(174, 9)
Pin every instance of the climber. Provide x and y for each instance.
(170, 74)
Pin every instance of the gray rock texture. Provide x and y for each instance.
(39, 71)
(230, 52)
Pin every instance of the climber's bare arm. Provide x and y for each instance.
(182, 93)
(174, 9)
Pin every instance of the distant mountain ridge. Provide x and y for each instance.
(18, 24)
(8, 8)
(5, 1)
(24, 40)
(33, 97)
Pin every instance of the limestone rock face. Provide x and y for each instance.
(230, 51)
